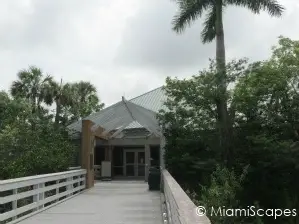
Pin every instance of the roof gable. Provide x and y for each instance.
(152, 100)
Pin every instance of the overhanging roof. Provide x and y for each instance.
(135, 113)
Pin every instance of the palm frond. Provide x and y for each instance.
(189, 11)
(208, 33)
(256, 6)
(35, 71)
(17, 89)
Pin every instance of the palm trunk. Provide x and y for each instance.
(58, 111)
(221, 79)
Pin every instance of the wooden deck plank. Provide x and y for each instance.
(115, 202)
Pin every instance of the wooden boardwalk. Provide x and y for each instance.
(115, 202)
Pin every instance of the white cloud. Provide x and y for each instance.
(123, 47)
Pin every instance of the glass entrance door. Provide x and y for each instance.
(130, 163)
(134, 161)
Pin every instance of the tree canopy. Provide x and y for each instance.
(263, 104)
(33, 137)
(191, 10)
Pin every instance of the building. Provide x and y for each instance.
(125, 138)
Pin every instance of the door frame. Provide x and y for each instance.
(136, 151)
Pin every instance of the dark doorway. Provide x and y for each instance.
(118, 161)
(99, 155)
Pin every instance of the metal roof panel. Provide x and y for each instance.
(152, 100)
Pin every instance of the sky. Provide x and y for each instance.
(124, 47)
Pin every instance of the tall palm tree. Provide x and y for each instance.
(191, 10)
(31, 85)
(86, 100)
(61, 94)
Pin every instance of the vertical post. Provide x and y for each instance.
(41, 195)
(87, 152)
(70, 186)
(147, 153)
(57, 190)
(14, 202)
(84, 181)
(35, 196)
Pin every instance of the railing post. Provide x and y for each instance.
(84, 181)
(57, 190)
(36, 186)
(41, 195)
(15, 202)
(36, 196)
(70, 186)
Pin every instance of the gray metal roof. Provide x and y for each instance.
(152, 100)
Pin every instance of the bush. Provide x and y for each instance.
(25, 151)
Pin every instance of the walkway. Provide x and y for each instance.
(116, 202)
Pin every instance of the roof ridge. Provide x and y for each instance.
(145, 93)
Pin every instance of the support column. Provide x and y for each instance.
(147, 152)
(87, 152)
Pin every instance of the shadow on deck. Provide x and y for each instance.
(115, 202)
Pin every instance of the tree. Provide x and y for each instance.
(190, 124)
(72, 100)
(29, 131)
(84, 100)
(189, 11)
(48, 146)
(32, 85)
(62, 95)
(265, 102)
(12, 110)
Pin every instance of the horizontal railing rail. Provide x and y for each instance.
(75, 168)
(21, 197)
(179, 207)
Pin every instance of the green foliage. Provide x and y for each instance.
(33, 139)
(27, 149)
(223, 192)
(24, 151)
(72, 100)
(190, 122)
(84, 100)
(190, 10)
(263, 107)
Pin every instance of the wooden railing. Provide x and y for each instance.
(178, 207)
(23, 197)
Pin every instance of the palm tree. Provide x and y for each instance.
(191, 10)
(86, 100)
(61, 94)
(32, 86)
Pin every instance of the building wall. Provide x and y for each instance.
(117, 157)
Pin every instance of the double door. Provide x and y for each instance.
(134, 163)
